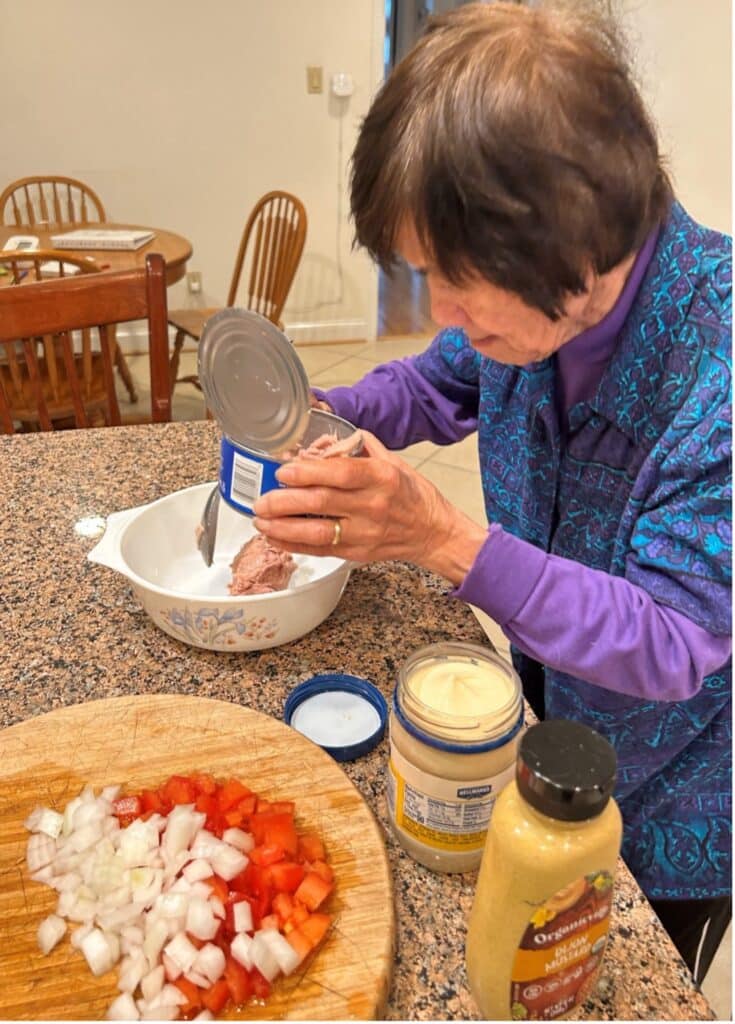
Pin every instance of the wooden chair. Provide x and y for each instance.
(270, 250)
(43, 264)
(52, 200)
(51, 378)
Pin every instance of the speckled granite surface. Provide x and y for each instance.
(72, 631)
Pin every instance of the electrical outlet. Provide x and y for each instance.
(194, 281)
(314, 79)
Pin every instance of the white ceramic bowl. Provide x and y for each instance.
(155, 547)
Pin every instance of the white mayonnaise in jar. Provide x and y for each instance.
(455, 723)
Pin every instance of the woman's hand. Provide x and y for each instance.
(384, 510)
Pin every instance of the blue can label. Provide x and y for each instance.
(244, 475)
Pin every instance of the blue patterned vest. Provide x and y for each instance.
(638, 488)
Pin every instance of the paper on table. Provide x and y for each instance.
(103, 238)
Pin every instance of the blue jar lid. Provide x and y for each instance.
(344, 715)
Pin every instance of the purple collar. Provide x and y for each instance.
(581, 361)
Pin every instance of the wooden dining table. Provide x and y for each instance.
(72, 632)
(175, 249)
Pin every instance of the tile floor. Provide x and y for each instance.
(452, 469)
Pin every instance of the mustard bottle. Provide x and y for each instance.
(540, 917)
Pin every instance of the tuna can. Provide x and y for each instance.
(258, 391)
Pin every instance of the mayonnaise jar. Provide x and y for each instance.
(455, 723)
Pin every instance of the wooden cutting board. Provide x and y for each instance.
(140, 741)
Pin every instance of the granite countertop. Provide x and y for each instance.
(72, 631)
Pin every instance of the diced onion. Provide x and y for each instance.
(50, 931)
(228, 862)
(123, 1008)
(43, 819)
(40, 851)
(242, 841)
(181, 951)
(153, 982)
(241, 948)
(286, 956)
(210, 961)
(263, 956)
(98, 952)
(242, 916)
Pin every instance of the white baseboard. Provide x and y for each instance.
(133, 337)
(328, 330)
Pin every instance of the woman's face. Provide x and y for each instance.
(498, 323)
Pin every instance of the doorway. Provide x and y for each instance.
(403, 298)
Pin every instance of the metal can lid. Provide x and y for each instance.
(345, 715)
(253, 380)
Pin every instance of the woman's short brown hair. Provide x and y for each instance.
(516, 141)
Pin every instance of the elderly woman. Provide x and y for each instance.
(586, 340)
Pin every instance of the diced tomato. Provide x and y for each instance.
(311, 847)
(282, 807)
(261, 987)
(218, 886)
(179, 790)
(238, 981)
(299, 915)
(192, 993)
(231, 793)
(233, 818)
(259, 907)
(299, 942)
(313, 890)
(266, 855)
(286, 879)
(253, 881)
(323, 870)
(283, 906)
(315, 927)
(127, 809)
(247, 805)
(207, 804)
(215, 997)
(204, 782)
(275, 829)
(286, 876)
(151, 802)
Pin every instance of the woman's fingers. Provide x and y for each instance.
(308, 536)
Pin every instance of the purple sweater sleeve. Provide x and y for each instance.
(400, 406)
(582, 621)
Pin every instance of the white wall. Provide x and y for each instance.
(181, 114)
(683, 54)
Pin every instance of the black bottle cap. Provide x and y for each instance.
(565, 770)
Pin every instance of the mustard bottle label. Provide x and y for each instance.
(449, 815)
(561, 949)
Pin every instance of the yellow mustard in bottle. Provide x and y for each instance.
(540, 917)
(456, 717)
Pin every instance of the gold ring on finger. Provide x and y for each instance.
(337, 532)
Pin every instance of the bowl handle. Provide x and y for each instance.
(107, 550)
